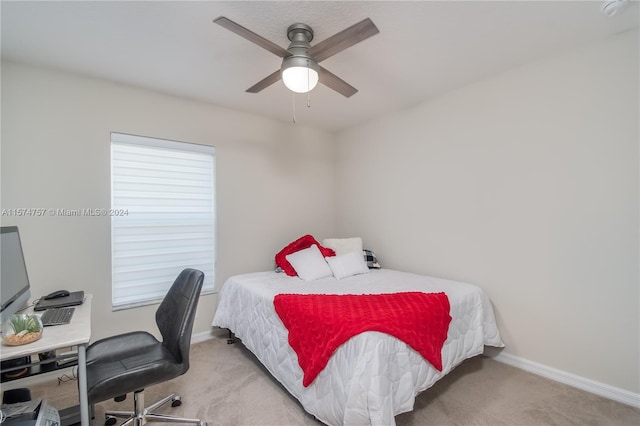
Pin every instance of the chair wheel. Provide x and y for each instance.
(110, 420)
(176, 402)
(203, 423)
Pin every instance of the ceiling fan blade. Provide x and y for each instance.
(251, 36)
(334, 82)
(265, 82)
(344, 39)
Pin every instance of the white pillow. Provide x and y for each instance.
(348, 264)
(343, 245)
(309, 263)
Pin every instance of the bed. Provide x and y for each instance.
(373, 376)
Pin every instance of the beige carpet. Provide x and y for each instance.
(226, 386)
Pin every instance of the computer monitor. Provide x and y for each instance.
(15, 291)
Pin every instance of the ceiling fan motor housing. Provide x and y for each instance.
(300, 36)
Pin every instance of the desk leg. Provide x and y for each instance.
(82, 385)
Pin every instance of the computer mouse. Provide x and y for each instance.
(56, 294)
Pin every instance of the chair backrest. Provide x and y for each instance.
(177, 312)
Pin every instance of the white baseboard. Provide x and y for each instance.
(203, 336)
(588, 385)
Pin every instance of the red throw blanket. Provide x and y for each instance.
(319, 323)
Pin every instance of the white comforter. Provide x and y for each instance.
(373, 376)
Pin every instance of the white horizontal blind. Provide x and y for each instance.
(163, 194)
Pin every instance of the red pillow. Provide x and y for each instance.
(299, 244)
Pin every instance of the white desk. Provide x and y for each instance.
(76, 333)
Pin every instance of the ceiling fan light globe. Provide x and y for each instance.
(300, 79)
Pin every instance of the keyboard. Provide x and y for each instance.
(57, 316)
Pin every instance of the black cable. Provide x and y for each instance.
(67, 378)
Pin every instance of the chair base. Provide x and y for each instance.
(141, 415)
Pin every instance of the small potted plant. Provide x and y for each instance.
(22, 329)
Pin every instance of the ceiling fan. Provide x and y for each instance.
(300, 70)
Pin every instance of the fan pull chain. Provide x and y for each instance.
(294, 107)
(308, 84)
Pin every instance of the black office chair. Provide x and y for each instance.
(132, 361)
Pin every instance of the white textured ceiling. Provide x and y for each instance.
(424, 48)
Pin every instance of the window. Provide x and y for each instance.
(163, 216)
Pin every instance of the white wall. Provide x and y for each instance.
(526, 185)
(274, 181)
